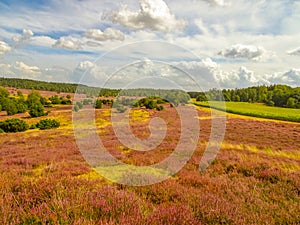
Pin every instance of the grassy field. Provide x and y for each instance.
(256, 110)
(255, 178)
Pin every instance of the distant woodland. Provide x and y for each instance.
(273, 95)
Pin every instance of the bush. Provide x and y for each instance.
(55, 100)
(159, 108)
(76, 108)
(98, 104)
(10, 106)
(33, 126)
(34, 98)
(1, 131)
(79, 104)
(21, 107)
(13, 125)
(47, 124)
(3, 92)
(37, 110)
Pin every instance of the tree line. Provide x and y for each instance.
(273, 95)
(34, 103)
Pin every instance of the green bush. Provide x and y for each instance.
(159, 108)
(21, 107)
(47, 124)
(33, 126)
(10, 106)
(79, 104)
(1, 131)
(37, 110)
(98, 104)
(3, 92)
(13, 125)
(76, 108)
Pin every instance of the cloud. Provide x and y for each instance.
(290, 77)
(84, 65)
(250, 52)
(68, 43)
(294, 52)
(23, 38)
(5, 69)
(107, 34)
(89, 73)
(218, 2)
(93, 44)
(4, 48)
(153, 15)
(43, 41)
(210, 74)
(23, 67)
(20, 69)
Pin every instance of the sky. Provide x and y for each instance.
(164, 43)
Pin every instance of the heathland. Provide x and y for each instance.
(44, 179)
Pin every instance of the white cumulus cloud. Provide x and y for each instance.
(25, 71)
(24, 67)
(85, 65)
(294, 52)
(290, 77)
(23, 38)
(250, 52)
(68, 43)
(107, 34)
(153, 15)
(4, 48)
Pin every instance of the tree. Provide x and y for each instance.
(34, 98)
(291, 103)
(201, 97)
(3, 92)
(37, 110)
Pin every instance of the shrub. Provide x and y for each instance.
(55, 100)
(10, 106)
(47, 124)
(33, 126)
(121, 108)
(76, 108)
(34, 98)
(3, 92)
(1, 131)
(37, 110)
(87, 101)
(98, 104)
(13, 125)
(159, 108)
(79, 104)
(21, 107)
